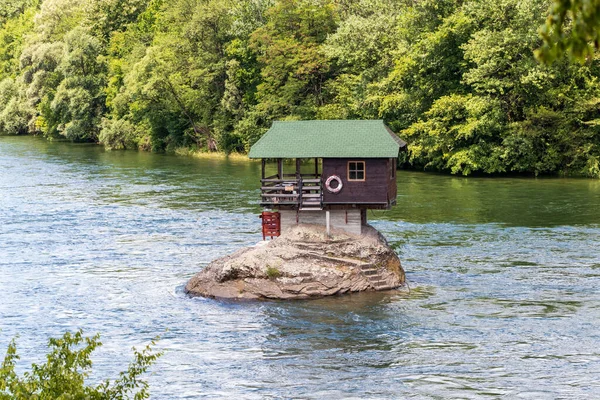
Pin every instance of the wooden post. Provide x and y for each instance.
(298, 169)
(263, 167)
(316, 168)
(279, 169)
(300, 191)
(299, 182)
(327, 223)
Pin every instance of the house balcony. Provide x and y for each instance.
(301, 192)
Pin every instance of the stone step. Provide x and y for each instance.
(320, 243)
(306, 247)
(370, 272)
(386, 287)
(330, 242)
(334, 259)
(310, 208)
(379, 284)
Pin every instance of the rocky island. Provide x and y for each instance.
(303, 263)
(323, 244)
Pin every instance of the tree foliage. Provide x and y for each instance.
(64, 374)
(573, 27)
(458, 79)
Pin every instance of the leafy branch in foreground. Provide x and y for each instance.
(67, 366)
(573, 27)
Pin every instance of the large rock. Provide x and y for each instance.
(300, 264)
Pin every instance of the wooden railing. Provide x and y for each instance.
(305, 192)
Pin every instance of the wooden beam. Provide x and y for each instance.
(293, 196)
(316, 167)
(297, 168)
(263, 167)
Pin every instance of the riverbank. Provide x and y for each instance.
(214, 155)
(242, 157)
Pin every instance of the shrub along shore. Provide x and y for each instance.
(458, 80)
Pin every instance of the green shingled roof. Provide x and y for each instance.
(328, 139)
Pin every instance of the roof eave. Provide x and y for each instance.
(290, 156)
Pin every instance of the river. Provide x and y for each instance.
(504, 276)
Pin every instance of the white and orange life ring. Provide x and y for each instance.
(331, 179)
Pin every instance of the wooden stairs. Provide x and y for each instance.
(311, 195)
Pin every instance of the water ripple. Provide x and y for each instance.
(501, 304)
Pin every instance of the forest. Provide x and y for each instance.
(457, 79)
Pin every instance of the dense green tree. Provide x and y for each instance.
(492, 108)
(12, 38)
(11, 9)
(293, 67)
(79, 101)
(362, 52)
(175, 87)
(14, 111)
(457, 78)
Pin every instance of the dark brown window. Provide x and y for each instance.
(356, 171)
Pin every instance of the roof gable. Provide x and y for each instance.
(328, 139)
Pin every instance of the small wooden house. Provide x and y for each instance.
(352, 169)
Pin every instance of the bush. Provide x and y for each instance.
(273, 272)
(67, 366)
(118, 134)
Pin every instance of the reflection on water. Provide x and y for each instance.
(503, 276)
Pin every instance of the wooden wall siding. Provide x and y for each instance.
(375, 188)
(337, 219)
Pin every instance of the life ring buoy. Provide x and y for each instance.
(331, 179)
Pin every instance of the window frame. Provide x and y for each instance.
(356, 170)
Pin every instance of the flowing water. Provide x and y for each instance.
(504, 276)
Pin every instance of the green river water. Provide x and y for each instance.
(504, 276)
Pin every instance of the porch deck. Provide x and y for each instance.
(302, 192)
